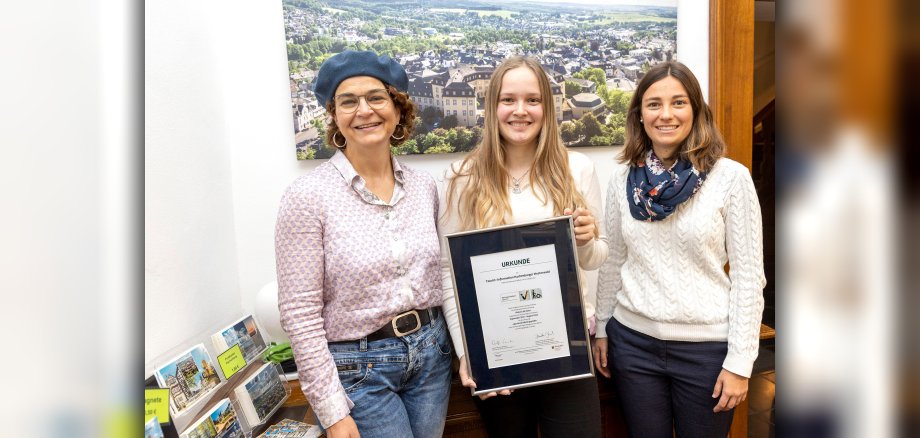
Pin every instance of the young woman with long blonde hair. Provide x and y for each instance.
(522, 172)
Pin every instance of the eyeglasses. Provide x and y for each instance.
(348, 103)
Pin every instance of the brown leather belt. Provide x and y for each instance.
(404, 324)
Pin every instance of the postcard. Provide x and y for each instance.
(219, 422)
(188, 377)
(287, 428)
(260, 394)
(152, 429)
(244, 332)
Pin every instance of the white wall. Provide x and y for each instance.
(220, 153)
(693, 39)
(191, 264)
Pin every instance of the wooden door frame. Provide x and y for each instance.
(731, 74)
(731, 98)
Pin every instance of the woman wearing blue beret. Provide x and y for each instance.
(359, 288)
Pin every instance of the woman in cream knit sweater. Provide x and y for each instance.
(681, 334)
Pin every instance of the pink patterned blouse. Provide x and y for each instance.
(347, 263)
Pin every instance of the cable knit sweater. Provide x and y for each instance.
(526, 207)
(667, 280)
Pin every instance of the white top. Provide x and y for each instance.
(667, 280)
(525, 207)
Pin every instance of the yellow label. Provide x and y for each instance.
(156, 403)
(231, 361)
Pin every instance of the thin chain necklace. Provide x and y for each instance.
(516, 182)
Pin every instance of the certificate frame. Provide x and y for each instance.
(544, 241)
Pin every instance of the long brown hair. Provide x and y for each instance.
(703, 146)
(484, 199)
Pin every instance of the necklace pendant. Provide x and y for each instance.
(516, 183)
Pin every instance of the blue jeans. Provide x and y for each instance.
(665, 384)
(400, 386)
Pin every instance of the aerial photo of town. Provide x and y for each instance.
(593, 53)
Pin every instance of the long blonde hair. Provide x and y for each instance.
(484, 199)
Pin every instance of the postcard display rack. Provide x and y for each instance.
(203, 402)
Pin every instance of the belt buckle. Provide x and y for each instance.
(418, 323)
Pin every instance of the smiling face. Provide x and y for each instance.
(667, 117)
(367, 126)
(520, 108)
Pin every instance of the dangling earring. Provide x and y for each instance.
(340, 146)
(393, 135)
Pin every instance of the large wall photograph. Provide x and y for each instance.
(594, 52)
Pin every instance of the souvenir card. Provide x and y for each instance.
(219, 422)
(189, 377)
(244, 332)
(260, 394)
(152, 429)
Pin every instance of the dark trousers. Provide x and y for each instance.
(665, 384)
(565, 409)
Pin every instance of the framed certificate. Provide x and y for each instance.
(520, 304)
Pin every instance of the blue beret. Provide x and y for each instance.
(353, 63)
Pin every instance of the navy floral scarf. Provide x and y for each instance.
(655, 192)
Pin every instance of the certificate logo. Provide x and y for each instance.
(523, 295)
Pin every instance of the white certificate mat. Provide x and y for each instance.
(520, 302)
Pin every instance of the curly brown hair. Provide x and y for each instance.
(407, 112)
(702, 147)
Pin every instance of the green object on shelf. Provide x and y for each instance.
(277, 353)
